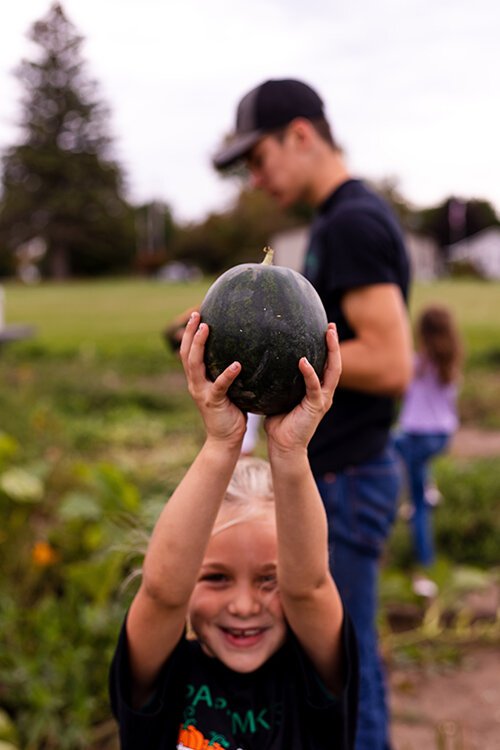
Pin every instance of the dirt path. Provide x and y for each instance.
(459, 708)
(454, 709)
(472, 443)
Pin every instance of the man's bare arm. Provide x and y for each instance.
(379, 358)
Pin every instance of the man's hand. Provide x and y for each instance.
(173, 333)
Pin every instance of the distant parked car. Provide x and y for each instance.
(178, 271)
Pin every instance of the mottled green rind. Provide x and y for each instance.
(266, 317)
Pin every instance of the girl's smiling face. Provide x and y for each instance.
(235, 608)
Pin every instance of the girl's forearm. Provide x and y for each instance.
(302, 526)
(182, 532)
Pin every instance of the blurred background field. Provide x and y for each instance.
(112, 316)
(115, 314)
(96, 429)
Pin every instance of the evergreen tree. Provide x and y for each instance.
(61, 184)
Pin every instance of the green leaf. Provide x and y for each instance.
(8, 733)
(79, 506)
(21, 485)
(8, 447)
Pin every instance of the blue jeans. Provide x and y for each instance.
(417, 450)
(361, 506)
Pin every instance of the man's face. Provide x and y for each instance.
(276, 165)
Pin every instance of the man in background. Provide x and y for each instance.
(357, 261)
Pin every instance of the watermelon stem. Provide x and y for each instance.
(268, 260)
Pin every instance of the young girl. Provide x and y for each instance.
(427, 421)
(240, 551)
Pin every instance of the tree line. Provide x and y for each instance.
(63, 201)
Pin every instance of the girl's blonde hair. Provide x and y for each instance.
(249, 494)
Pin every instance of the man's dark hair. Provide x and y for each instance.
(321, 126)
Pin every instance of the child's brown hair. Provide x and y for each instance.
(440, 342)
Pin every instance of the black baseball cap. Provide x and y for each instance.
(268, 107)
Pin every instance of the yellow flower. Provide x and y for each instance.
(43, 554)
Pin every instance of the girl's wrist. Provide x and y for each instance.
(223, 447)
(288, 457)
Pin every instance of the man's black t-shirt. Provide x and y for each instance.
(355, 241)
(200, 703)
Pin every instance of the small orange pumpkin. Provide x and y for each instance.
(192, 738)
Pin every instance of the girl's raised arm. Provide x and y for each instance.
(157, 615)
(308, 593)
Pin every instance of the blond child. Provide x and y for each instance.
(240, 551)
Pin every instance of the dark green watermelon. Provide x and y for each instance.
(266, 317)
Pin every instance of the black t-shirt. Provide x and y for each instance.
(355, 241)
(200, 703)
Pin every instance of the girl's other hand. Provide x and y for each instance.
(223, 420)
(294, 430)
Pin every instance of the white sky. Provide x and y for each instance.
(411, 86)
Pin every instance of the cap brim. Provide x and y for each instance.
(236, 149)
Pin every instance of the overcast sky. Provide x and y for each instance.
(411, 86)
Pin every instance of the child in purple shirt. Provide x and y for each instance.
(427, 421)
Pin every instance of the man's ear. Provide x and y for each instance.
(302, 131)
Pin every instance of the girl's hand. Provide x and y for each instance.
(223, 420)
(287, 432)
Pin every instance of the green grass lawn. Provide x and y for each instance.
(130, 312)
(120, 321)
(112, 315)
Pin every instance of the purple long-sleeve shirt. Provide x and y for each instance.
(428, 405)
